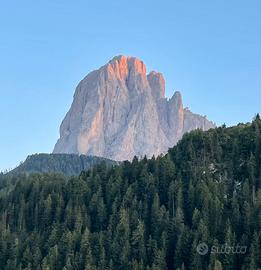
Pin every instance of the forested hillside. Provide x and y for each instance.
(68, 164)
(143, 215)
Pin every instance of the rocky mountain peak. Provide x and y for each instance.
(176, 100)
(122, 66)
(119, 111)
(157, 84)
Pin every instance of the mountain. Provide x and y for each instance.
(197, 207)
(120, 111)
(67, 164)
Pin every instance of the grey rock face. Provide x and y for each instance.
(119, 111)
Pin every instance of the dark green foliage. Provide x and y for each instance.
(68, 164)
(143, 215)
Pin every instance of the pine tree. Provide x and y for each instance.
(138, 242)
(160, 261)
(121, 245)
(228, 256)
(218, 265)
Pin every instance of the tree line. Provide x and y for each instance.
(148, 214)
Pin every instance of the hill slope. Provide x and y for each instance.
(179, 211)
(68, 164)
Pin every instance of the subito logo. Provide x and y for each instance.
(202, 249)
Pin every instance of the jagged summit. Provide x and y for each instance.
(123, 65)
(120, 111)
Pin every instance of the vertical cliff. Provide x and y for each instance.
(119, 111)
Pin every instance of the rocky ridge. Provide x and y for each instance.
(120, 111)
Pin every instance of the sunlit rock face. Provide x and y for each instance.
(119, 111)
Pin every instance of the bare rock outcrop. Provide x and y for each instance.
(119, 111)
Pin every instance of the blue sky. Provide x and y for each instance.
(209, 50)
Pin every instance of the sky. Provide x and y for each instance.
(208, 50)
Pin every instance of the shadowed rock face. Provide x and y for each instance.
(119, 111)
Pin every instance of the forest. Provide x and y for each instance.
(67, 164)
(189, 209)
